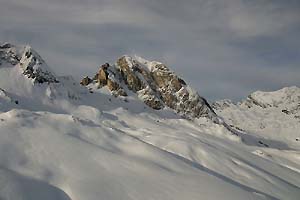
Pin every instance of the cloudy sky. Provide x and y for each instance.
(225, 49)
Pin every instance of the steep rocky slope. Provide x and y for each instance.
(153, 83)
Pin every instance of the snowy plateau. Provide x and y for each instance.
(65, 141)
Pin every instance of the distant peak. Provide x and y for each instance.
(29, 61)
(286, 95)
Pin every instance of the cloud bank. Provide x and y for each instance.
(225, 49)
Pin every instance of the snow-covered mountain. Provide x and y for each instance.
(124, 136)
(153, 83)
(271, 115)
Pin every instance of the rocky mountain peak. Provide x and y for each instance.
(153, 83)
(29, 61)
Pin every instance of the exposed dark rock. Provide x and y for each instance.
(102, 77)
(128, 75)
(85, 81)
(5, 46)
(115, 88)
(157, 87)
(33, 66)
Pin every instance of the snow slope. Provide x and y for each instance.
(59, 141)
(271, 115)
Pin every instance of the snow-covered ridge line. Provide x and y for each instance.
(287, 95)
(272, 115)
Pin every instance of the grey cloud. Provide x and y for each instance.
(226, 49)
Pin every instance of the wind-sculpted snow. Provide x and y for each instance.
(17, 187)
(59, 140)
(88, 160)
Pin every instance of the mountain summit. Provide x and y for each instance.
(151, 82)
(28, 60)
(27, 79)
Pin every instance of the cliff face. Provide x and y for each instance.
(153, 83)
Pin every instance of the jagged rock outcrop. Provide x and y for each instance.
(153, 83)
(24, 73)
(32, 65)
(129, 69)
(85, 81)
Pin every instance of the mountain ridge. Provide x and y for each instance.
(61, 140)
(271, 114)
(153, 83)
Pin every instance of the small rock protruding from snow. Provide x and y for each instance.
(85, 81)
(222, 104)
